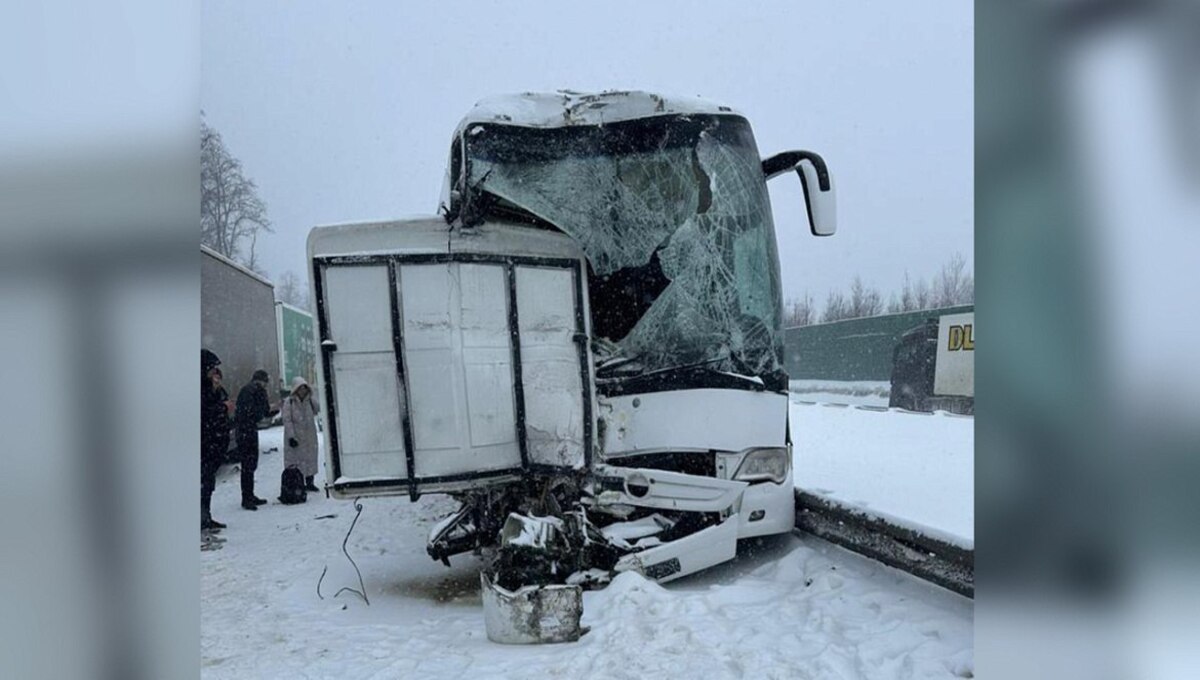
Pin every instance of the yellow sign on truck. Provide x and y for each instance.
(954, 371)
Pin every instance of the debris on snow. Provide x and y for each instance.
(532, 532)
(627, 534)
(591, 577)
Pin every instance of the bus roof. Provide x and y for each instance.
(566, 108)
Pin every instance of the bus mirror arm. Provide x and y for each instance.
(816, 182)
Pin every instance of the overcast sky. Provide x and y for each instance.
(344, 111)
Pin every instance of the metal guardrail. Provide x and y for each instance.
(928, 558)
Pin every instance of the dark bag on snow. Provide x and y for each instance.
(291, 486)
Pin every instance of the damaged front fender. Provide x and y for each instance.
(687, 555)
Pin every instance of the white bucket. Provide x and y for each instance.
(531, 614)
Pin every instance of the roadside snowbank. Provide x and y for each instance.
(853, 392)
(915, 470)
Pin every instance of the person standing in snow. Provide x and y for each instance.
(252, 406)
(299, 412)
(218, 381)
(214, 434)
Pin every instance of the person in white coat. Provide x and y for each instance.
(299, 413)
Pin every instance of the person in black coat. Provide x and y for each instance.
(214, 434)
(252, 406)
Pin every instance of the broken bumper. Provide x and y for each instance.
(747, 510)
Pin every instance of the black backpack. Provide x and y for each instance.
(291, 486)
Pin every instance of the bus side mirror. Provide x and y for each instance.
(820, 199)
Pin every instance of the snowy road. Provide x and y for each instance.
(793, 608)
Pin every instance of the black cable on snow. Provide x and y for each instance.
(362, 592)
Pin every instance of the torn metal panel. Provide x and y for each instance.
(534, 533)
(454, 534)
(590, 577)
(639, 533)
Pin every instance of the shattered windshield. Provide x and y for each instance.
(672, 213)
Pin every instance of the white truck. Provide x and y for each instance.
(588, 336)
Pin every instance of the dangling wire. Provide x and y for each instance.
(362, 592)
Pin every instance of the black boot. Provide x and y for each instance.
(207, 523)
(249, 505)
(309, 485)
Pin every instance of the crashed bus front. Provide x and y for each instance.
(589, 336)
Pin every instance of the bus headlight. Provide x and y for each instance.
(762, 465)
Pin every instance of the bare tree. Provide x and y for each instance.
(290, 290)
(800, 312)
(908, 298)
(836, 308)
(864, 300)
(922, 295)
(954, 285)
(231, 211)
(915, 295)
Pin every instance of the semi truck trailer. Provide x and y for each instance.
(297, 353)
(237, 318)
(933, 366)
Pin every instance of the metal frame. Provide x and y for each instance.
(393, 263)
(401, 376)
(514, 342)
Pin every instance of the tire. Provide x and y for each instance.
(905, 398)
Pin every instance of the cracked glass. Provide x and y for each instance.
(673, 215)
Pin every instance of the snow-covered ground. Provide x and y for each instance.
(854, 392)
(915, 469)
(788, 607)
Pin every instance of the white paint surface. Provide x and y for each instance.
(459, 364)
(550, 366)
(366, 386)
(701, 550)
(723, 420)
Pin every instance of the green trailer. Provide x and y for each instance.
(297, 351)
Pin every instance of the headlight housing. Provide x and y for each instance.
(762, 465)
